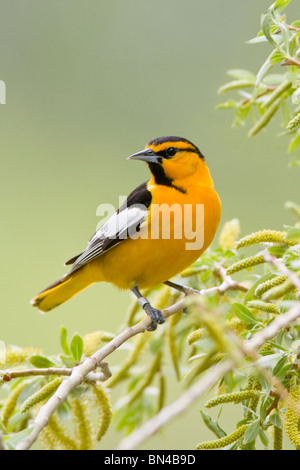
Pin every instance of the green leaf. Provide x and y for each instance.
(243, 313)
(294, 143)
(76, 347)
(267, 22)
(212, 425)
(241, 115)
(16, 438)
(228, 104)
(265, 68)
(275, 419)
(242, 74)
(276, 57)
(41, 362)
(281, 4)
(67, 360)
(252, 432)
(280, 364)
(293, 233)
(286, 35)
(263, 438)
(64, 340)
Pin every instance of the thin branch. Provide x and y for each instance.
(80, 372)
(168, 413)
(63, 371)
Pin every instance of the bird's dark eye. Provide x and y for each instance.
(171, 151)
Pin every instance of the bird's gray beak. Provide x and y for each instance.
(146, 155)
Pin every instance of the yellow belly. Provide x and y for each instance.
(151, 261)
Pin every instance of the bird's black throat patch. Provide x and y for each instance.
(161, 178)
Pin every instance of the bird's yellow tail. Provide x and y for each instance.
(61, 291)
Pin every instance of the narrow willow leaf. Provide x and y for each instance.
(286, 36)
(280, 364)
(276, 57)
(252, 431)
(212, 425)
(235, 85)
(16, 438)
(228, 104)
(292, 233)
(265, 68)
(263, 438)
(41, 361)
(267, 22)
(243, 313)
(64, 341)
(294, 143)
(241, 74)
(281, 5)
(76, 347)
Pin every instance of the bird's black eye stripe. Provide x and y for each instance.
(168, 153)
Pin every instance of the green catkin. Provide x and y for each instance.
(263, 306)
(264, 236)
(278, 291)
(267, 347)
(91, 341)
(265, 286)
(16, 356)
(146, 380)
(162, 298)
(292, 420)
(45, 392)
(229, 234)
(235, 397)
(171, 338)
(196, 335)
(104, 410)
(245, 264)
(277, 438)
(253, 384)
(294, 123)
(265, 118)
(223, 441)
(132, 358)
(47, 439)
(162, 392)
(203, 364)
(83, 423)
(235, 85)
(235, 324)
(58, 436)
(192, 271)
(277, 93)
(11, 402)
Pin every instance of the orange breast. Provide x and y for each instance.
(179, 228)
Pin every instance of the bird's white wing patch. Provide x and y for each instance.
(121, 225)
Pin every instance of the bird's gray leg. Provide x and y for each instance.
(155, 314)
(186, 290)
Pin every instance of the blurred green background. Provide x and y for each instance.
(89, 83)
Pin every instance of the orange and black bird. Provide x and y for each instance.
(124, 250)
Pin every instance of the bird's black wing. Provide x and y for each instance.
(121, 225)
